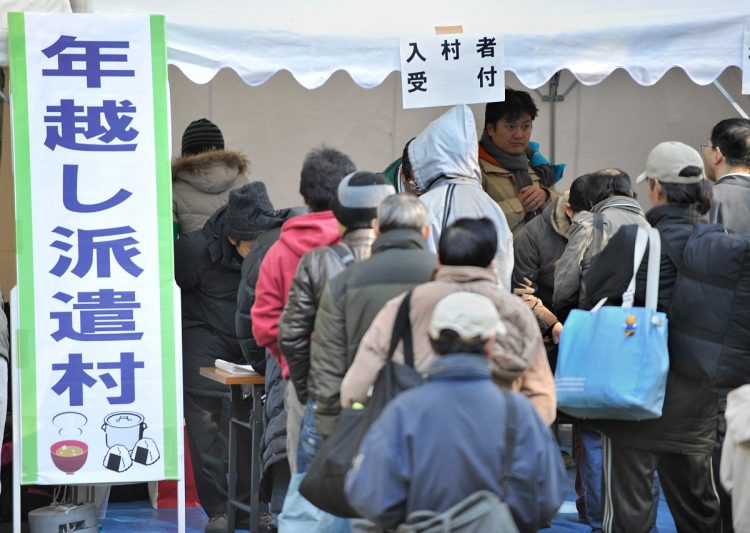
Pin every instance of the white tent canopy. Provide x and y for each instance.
(314, 39)
(217, 48)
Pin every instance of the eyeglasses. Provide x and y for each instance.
(704, 146)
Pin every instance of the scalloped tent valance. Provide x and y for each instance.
(312, 39)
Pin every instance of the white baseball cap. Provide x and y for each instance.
(668, 159)
(470, 315)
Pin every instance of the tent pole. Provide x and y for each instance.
(553, 96)
(729, 99)
(553, 85)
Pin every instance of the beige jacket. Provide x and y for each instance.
(735, 457)
(500, 184)
(201, 184)
(519, 361)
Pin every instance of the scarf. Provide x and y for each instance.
(517, 164)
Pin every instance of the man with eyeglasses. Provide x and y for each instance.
(514, 173)
(726, 158)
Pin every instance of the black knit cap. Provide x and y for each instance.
(249, 212)
(200, 136)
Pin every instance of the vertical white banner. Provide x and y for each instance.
(93, 205)
(442, 70)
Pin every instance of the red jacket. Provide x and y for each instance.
(298, 235)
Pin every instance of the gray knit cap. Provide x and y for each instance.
(249, 212)
(358, 197)
(200, 136)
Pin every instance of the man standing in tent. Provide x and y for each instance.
(514, 173)
(727, 161)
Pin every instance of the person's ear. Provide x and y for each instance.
(489, 346)
(569, 211)
(232, 241)
(717, 155)
(426, 231)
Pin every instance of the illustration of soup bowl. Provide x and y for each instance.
(69, 455)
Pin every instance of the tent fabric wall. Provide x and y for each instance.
(615, 123)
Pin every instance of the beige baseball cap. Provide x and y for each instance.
(470, 315)
(668, 159)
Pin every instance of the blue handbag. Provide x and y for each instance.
(613, 361)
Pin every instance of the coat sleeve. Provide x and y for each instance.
(539, 482)
(185, 273)
(254, 354)
(525, 276)
(568, 271)
(504, 255)
(296, 325)
(268, 305)
(378, 484)
(328, 357)
(370, 356)
(727, 461)
(538, 385)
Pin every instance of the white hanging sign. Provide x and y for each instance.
(442, 70)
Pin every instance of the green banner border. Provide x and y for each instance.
(166, 244)
(26, 349)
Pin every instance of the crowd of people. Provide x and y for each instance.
(466, 238)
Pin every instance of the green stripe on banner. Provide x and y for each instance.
(166, 244)
(24, 245)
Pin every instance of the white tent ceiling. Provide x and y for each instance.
(312, 39)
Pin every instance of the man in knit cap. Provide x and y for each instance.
(203, 175)
(207, 269)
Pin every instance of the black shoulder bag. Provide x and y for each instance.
(323, 484)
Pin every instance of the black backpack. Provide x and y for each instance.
(709, 312)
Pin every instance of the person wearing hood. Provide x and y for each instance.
(207, 270)
(514, 173)
(322, 171)
(735, 457)
(444, 163)
(538, 247)
(203, 176)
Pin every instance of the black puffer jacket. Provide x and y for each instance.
(273, 447)
(254, 354)
(296, 323)
(207, 270)
(688, 421)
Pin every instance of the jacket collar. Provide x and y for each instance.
(554, 214)
(464, 274)
(674, 214)
(399, 239)
(461, 366)
(624, 203)
(735, 178)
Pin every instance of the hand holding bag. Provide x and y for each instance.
(613, 361)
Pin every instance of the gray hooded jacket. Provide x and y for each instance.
(616, 211)
(444, 158)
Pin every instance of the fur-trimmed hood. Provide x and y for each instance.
(210, 172)
(555, 215)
